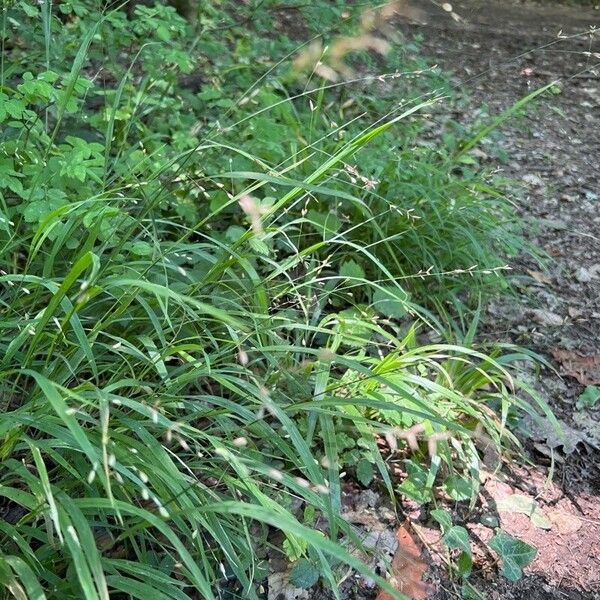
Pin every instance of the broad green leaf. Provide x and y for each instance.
(352, 325)
(351, 268)
(294, 547)
(458, 488)
(458, 537)
(514, 553)
(141, 248)
(304, 574)
(443, 518)
(589, 398)
(415, 485)
(364, 471)
(390, 301)
(465, 564)
(326, 223)
(517, 503)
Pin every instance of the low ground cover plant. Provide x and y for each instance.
(215, 270)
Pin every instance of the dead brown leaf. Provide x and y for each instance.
(540, 277)
(375, 18)
(565, 522)
(546, 318)
(586, 369)
(408, 567)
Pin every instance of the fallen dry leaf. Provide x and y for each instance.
(408, 567)
(533, 180)
(586, 369)
(540, 277)
(567, 438)
(565, 522)
(583, 275)
(525, 505)
(280, 588)
(575, 313)
(589, 426)
(547, 318)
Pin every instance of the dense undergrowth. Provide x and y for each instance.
(221, 253)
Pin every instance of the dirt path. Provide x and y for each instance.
(499, 52)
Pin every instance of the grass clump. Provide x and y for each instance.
(207, 310)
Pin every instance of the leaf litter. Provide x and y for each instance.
(408, 567)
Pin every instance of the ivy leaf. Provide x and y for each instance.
(514, 553)
(304, 574)
(364, 472)
(443, 518)
(458, 488)
(415, 485)
(458, 537)
(589, 398)
(455, 537)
